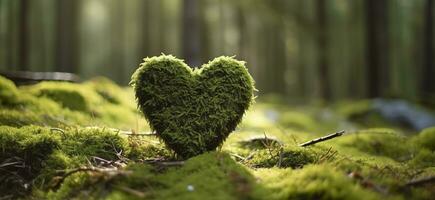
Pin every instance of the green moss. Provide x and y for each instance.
(107, 89)
(193, 111)
(23, 155)
(297, 120)
(424, 158)
(99, 142)
(225, 179)
(80, 103)
(22, 108)
(31, 156)
(380, 142)
(40, 112)
(77, 186)
(32, 159)
(8, 93)
(424, 143)
(69, 95)
(208, 176)
(289, 156)
(426, 139)
(312, 182)
(18, 118)
(146, 148)
(362, 113)
(256, 119)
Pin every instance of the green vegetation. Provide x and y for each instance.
(50, 151)
(314, 182)
(8, 92)
(210, 175)
(62, 104)
(193, 111)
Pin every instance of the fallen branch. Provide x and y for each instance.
(421, 181)
(132, 191)
(168, 163)
(87, 169)
(133, 133)
(27, 77)
(138, 134)
(238, 156)
(130, 133)
(321, 139)
(11, 164)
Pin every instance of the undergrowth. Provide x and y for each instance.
(51, 148)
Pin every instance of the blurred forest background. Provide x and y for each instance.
(303, 50)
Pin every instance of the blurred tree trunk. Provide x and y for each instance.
(428, 72)
(322, 48)
(144, 40)
(191, 33)
(355, 45)
(117, 40)
(23, 46)
(241, 23)
(205, 32)
(301, 35)
(154, 28)
(67, 36)
(221, 35)
(377, 47)
(11, 39)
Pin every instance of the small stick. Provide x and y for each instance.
(267, 144)
(132, 191)
(161, 162)
(321, 139)
(281, 157)
(238, 156)
(9, 164)
(421, 181)
(86, 169)
(59, 130)
(169, 163)
(137, 134)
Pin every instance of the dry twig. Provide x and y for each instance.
(112, 171)
(132, 191)
(421, 181)
(321, 139)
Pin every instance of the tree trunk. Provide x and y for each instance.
(67, 36)
(428, 72)
(117, 40)
(205, 32)
(23, 48)
(241, 24)
(377, 47)
(144, 39)
(301, 52)
(322, 46)
(191, 33)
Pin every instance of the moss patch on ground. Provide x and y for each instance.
(210, 175)
(98, 102)
(314, 182)
(53, 149)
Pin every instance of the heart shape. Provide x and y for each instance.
(192, 110)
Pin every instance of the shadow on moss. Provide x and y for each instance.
(207, 176)
(32, 156)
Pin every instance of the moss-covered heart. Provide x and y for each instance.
(192, 110)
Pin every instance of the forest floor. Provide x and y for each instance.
(88, 141)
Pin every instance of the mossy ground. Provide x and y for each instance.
(51, 148)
